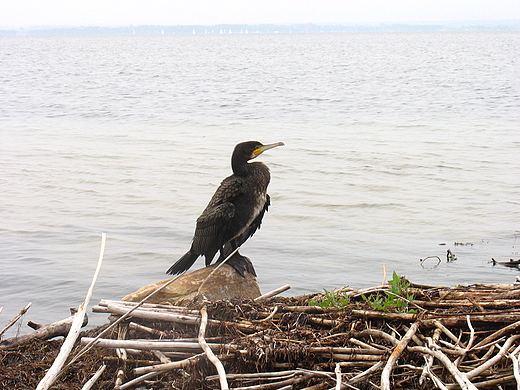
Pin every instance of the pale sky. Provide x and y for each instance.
(61, 13)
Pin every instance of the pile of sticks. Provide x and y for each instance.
(445, 338)
(457, 338)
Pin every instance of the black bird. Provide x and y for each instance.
(234, 213)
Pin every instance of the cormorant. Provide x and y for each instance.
(234, 213)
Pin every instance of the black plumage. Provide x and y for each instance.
(234, 213)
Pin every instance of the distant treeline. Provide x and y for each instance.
(267, 29)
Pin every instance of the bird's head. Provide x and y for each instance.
(252, 149)
(246, 151)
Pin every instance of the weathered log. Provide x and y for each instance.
(495, 286)
(156, 316)
(384, 315)
(188, 319)
(168, 366)
(149, 306)
(152, 345)
(467, 302)
(446, 318)
(343, 350)
(481, 295)
(43, 332)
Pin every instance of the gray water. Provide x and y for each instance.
(395, 145)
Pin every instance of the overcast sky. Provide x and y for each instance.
(33, 13)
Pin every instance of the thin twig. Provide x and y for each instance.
(516, 370)
(120, 377)
(285, 384)
(429, 360)
(495, 359)
(461, 378)
(211, 356)
(162, 357)
(406, 300)
(446, 331)
(88, 384)
(140, 379)
(366, 373)
(398, 350)
(496, 335)
(472, 334)
(436, 380)
(377, 333)
(270, 316)
(272, 293)
(470, 342)
(337, 371)
(168, 366)
(16, 318)
(431, 257)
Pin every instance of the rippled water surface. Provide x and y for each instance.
(395, 144)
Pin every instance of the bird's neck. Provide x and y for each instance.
(240, 167)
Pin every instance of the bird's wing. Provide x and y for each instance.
(211, 227)
(255, 225)
(227, 191)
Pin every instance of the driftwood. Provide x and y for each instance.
(271, 294)
(43, 332)
(448, 320)
(447, 343)
(151, 313)
(52, 374)
(151, 345)
(441, 356)
(398, 350)
(207, 350)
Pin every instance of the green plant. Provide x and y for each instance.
(334, 300)
(395, 298)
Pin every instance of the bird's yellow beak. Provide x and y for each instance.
(258, 151)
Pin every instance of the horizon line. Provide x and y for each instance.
(317, 24)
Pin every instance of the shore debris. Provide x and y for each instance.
(446, 338)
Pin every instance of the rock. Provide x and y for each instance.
(225, 283)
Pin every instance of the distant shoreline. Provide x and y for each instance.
(505, 25)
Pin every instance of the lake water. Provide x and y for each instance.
(395, 144)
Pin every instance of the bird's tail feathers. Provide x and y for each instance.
(183, 264)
